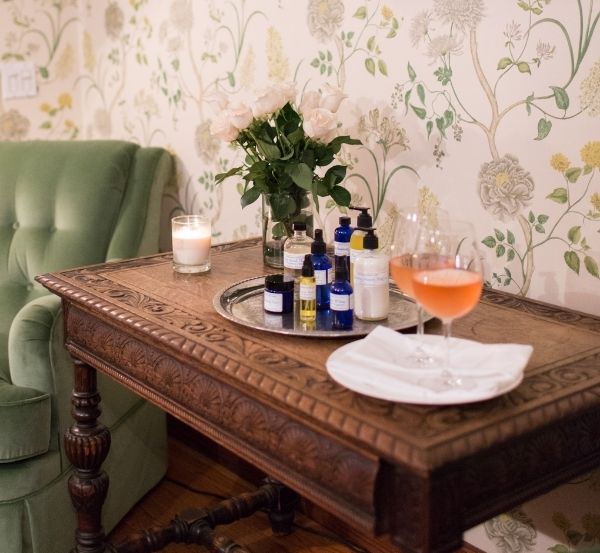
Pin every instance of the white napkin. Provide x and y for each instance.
(376, 366)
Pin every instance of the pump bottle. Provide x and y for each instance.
(371, 281)
(364, 221)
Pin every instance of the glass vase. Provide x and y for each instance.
(279, 211)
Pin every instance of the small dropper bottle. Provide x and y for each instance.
(308, 291)
(341, 237)
(322, 266)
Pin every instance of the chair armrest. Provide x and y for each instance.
(24, 422)
(37, 361)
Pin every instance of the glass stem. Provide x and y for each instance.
(420, 325)
(447, 328)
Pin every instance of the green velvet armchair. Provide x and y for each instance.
(67, 204)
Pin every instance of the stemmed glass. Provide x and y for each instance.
(410, 241)
(447, 280)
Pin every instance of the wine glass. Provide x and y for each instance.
(414, 224)
(447, 280)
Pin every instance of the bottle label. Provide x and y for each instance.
(354, 254)
(308, 291)
(273, 302)
(321, 276)
(340, 302)
(293, 260)
(370, 280)
(341, 248)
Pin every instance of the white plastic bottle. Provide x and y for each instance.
(371, 281)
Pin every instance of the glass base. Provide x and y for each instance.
(202, 268)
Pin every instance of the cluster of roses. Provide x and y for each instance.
(317, 108)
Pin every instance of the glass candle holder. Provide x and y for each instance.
(191, 243)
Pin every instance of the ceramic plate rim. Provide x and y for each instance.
(380, 393)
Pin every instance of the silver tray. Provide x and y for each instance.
(242, 303)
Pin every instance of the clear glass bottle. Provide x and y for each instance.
(294, 250)
(308, 291)
(341, 297)
(371, 281)
(322, 266)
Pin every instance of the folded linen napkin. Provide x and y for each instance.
(374, 366)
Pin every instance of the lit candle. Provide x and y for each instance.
(191, 243)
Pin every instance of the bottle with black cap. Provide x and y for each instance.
(364, 221)
(308, 291)
(322, 265)
(341, 236)
(341, 297)
(371, 281)
(294, 250)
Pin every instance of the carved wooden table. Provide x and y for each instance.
(421, 474)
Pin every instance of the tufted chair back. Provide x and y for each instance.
(67, 204)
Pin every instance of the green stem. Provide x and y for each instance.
(528, 267)
(366, 183)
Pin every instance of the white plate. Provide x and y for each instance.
(405, 392)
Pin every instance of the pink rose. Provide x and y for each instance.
(268, 100)
(218, 100)
(331, 97)
(222, 128)
(310, 101)
(240, 115)
(320, 125)
(289, 91)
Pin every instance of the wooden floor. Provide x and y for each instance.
(195, 480)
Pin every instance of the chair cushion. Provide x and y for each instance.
(24, 423)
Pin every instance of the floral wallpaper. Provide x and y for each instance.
(489, 109)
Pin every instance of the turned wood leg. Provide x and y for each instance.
(283, 509)
(197, 526)
(87, 443)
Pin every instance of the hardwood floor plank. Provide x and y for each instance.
(196, 480)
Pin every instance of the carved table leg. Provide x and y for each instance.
(197, 526)
(87, 443)
(281, 513)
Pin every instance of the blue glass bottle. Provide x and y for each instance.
(322, 267)
(341, 297)
(341, 237)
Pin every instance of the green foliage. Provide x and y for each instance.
(559, 195)
(561, 97)
(324, 62)
(281, 161)
(443, 74)
(544, 127)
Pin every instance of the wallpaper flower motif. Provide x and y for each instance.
(324, 18)
(505, 187)
(488, 109)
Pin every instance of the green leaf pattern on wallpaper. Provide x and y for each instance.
(490, 109)
(41, 35)
(506, 188)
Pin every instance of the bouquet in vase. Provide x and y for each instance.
(285, 142)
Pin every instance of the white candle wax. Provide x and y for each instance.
(191, 246)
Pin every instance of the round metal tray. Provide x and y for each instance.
(242, 303)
